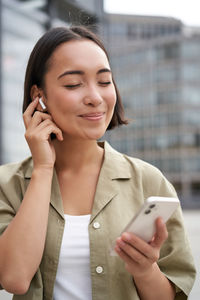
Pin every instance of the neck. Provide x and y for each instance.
(77, 154)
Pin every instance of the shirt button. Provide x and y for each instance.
(96, 225)
(99, 269)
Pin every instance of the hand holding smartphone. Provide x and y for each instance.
(143, 223)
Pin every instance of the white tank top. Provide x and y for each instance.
(73, 280)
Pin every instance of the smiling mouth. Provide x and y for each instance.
(93, 116)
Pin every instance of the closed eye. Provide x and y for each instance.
(104, 83)
(72, 86)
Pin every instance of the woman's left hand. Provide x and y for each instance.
(139, 256)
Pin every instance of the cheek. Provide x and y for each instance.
(112, 98)
(63, 101)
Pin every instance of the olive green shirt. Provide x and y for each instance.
(123, 185)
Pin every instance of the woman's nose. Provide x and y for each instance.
(93, 97)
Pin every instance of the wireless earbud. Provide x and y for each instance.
(42, 103)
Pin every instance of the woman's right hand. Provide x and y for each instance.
(39, 127)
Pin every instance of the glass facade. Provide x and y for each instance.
(23, 22)
(17, 42)
(159, 82)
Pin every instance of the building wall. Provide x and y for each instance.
(17, 42)
(23, 22)
(22, 25)
(159, 81)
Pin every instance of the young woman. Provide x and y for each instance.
(61, 208)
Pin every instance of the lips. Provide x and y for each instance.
(97, 114)
(93, 116)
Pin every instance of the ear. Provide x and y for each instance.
(35, 92)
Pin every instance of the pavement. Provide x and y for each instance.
(192, 224)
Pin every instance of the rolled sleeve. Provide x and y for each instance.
(176, 260)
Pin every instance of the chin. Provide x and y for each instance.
(95, 135)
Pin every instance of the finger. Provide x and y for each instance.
(137, 243)
(51, 127)
(130, 264)
(161, 233)
(57, 132)
(38, 118)
(146, 249)
(27, 115)
(132, 252)
(46, 128)
(123, 255)
(40, 121)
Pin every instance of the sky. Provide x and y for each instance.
(188, 11)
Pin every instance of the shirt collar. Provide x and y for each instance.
(115, 163)
(115, 166)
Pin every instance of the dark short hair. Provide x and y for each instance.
(39, 59)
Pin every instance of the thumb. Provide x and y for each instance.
(160, 235)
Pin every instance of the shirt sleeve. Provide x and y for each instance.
(10, 197)
(176, 260)
(6, 215)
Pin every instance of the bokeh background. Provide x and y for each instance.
(155, 58)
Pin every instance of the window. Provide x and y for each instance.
(191, 72)
(168, 51)
(190, 49)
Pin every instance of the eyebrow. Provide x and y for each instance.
(104, 71)
(79, 72)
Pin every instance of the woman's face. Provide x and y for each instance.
(79, 91)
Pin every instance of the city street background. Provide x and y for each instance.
(192, 226)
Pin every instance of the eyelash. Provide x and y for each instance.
(73, 86)
(105, 83)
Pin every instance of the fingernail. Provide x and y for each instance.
(127, 236)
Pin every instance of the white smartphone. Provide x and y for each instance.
(143, 223)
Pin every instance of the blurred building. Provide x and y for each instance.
(20, 28)
(156, 63)
(22, 23)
